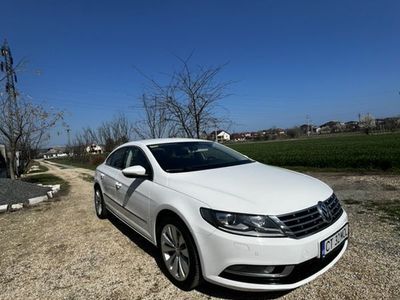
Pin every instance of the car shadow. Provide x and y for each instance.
(206, 288)
(140, 241)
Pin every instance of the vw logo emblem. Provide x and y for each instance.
(325, 212)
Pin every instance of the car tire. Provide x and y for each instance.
(99, 205)
(178, 254)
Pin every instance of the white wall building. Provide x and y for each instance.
(94, 149)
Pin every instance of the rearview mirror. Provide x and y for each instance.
(134, 171)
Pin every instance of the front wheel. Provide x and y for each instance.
(100, 207)
(179, 255)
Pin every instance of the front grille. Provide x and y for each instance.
(308, 221)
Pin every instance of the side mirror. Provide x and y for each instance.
(134, 171)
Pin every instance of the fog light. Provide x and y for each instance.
(259, 271)
(250, 270)
(269, 269)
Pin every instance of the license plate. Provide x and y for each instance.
(334, 240)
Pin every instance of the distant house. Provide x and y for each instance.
(332, 127)
(94, 149)
(280, 131)
(3, 162)
(308, 129)
(238, 137)
(272, 131)
(55, 152)
(249, 135)
(352, 126)
(388, 123)
(222, 136)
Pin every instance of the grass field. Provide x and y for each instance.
(361, 152)
(47, 178)
(334, 153)
(87, 161)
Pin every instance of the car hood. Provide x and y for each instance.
(252, 188)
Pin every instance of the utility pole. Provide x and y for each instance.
(11, 79)
(69, 141)
(7, 67)
(69, 136)
(308, 125)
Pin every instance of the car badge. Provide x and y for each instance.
(325, 212)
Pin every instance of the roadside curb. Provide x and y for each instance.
(37, 200)
(3, 208)
(31, 201)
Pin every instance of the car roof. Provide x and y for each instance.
(163, 141)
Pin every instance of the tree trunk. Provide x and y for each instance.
(11, 163)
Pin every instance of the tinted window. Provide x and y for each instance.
(135, 157)
(192, 156)
(116, 159)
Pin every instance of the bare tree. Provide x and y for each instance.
(190, 99)
(110, 134)
(30, 143)
(115, 132)
(367, 123)
(79, 144)
(89, 136)
(156, 122)
(23, 126)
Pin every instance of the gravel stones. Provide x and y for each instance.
(17, 191)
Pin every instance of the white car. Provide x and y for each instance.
(218, 215)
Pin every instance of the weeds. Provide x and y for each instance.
(49, 179)
(86, 177)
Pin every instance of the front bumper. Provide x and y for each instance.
(220, 250)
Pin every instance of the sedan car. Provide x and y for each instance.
(218, 215)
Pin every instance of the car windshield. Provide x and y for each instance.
(195, 156)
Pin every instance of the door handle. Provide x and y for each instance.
(118, 185)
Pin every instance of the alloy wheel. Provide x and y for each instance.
(175, 252)
(98, 203)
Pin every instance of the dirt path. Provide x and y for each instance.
(60, 250)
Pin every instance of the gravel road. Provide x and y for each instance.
(60, 250)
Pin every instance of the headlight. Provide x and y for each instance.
(243, 224)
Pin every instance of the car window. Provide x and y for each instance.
(135, 157)
(116, 160)
(194, 156)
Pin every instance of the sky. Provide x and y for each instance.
(329, 60)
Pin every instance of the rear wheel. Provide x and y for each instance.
(179, 255)
(101, 210)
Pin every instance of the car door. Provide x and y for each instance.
(134, 194)
(109, 176)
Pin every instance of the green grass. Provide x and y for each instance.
(87, 162)
(344, 153)
(50, 179)
(42, 168)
